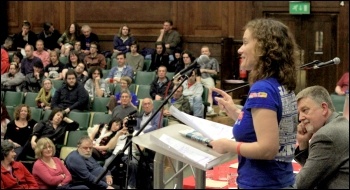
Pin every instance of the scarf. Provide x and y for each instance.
(43, 98)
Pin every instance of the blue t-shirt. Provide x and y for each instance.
(277, 173)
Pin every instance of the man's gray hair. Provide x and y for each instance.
(318, 94)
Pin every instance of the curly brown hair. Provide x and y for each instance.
(18, 111)
(276, 50)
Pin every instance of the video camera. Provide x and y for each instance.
(131, 122)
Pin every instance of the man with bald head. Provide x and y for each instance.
(146, 112)
(27, 63)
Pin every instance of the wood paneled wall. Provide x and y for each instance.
(199, 22)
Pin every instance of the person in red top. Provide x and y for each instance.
(48, 170)
(5, 58)
(14, 175)
(342, 84)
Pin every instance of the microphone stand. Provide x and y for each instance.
(111, 164)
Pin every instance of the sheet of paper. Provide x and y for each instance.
(209, 129)
(184, 150)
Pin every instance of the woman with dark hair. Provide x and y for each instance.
(177, 64)
(5, 119)
(73, 62)
(105, 138)
(66, 41)
(19, 129)
(159, 57)
(54, 128)
(12, 81)
(134, 59)
(265, 128)
(95, 85)
(14, 175)
(17, 57)
(122, 41)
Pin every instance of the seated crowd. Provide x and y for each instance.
(82, 80)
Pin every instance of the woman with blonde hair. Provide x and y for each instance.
(48, 170)
(45, 95)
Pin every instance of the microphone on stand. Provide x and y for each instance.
(317, 64)
(196, 64)
(334, 61)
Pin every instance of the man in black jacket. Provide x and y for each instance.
(160, 85)
(72, 95)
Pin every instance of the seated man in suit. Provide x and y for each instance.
(180, 102)
(155, 123)
(84, 168)
(323, 138)
(72, 95)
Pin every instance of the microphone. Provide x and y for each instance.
(309, 65)
(196, 64)
(334, 61)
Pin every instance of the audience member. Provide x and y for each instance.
(5, 119)
(95, 58)
(28, 62)
(133, 161)
(19, 129)
(180, 102)
(187, 58)
(193, 90)
(12, 81)
(95, 85)
(134, 59)
(48, 170)
(73, 62)
(323, 142)
(265, 129)
(80, 54)
(161, 85)
(33, 80)
(66, 41)
(125, 107)
(120, 70)
(5, 58)
(41, 53)
(342, 84)
(208, 70)
(47, 91)
(49, 35)
(71, 95)
(105, 139)
(125, 82)
(55, 68)
(14, 175)
(84, 168)
(177, 64)
(159, 57)
(170, 37)
(25, 37)
(86, 38)
(122, 41)
(54, 128)
(81, 72)
(145, 114)
(17, 57)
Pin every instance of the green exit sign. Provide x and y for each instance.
(299, 7)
